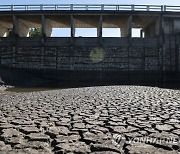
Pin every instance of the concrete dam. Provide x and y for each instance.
(152, 58)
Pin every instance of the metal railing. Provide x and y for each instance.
(55, 7)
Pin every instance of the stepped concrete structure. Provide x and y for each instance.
(152, 58)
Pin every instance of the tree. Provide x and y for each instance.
(35, 32)
(9, 32)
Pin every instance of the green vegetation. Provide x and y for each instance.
(9, 32)
(35, 32)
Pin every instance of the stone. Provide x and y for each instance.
(163, 135)
(133, 134)
(96, 138)
(177, 132)
(33, 145)
(120, 129)
(164, 127)
(21, 122)
(64, 120)
(31, 151)
(5, 126)
(63, 130)
(38, 137)
(102, 129)
(90, 137)
(104, 152)
(94, 122)
(14, 140)
(28, 130)
(141, 148)
(54, 131)
(68, 139)
(106, 146)
(53, 119)
(9, 133)
(77, 147)
(58, 123)
(6, 148)
(177, 126)
(79, 125)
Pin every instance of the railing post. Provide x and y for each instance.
(117, 7)
(86, 7)
(132, 7)
(12, 7)
(99, 29)
(41, 7)
(43, 26)
(72, 29)
(148, 8)
(71, 7)
(102, 7)
(26, 7)
(15, 27)
(56, 8)
(162, 8)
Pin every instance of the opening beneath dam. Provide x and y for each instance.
(79, 32)
(137, 32)
(111, 32)
(85, 32)
(61, 32)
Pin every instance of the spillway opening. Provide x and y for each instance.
(61, 32)
(85, 32)
(137, 32)
(111, 32)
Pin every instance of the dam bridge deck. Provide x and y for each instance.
(100, 7)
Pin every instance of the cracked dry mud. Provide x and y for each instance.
(84, 120)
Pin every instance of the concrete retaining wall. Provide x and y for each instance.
(115, 54)
(133, 58)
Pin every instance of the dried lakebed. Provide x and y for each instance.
(99, 120)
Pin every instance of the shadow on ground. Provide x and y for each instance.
(23, 81)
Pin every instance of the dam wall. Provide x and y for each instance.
(123, 59)
(154, 57)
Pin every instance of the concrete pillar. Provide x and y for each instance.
(15, 26)
(23, 28)
(141, 35)
(99, 29)
(43, 25)
(127, 28)
(157, 27)
(72, 27)
(46, 27)
(120, 32)
(3, 31)
(48, 31)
